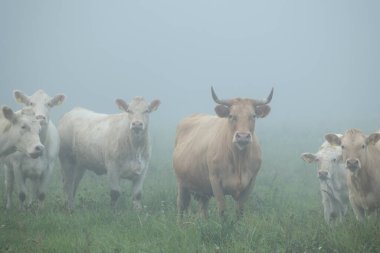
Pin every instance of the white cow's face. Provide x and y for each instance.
(328, 161)
(138, 111)
(24, 131)
(40, 103)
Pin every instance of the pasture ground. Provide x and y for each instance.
(283, 214)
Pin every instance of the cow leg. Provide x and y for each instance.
(114, 180)
(203, 204)
(9, 186)
(137, 192)
(71, 177)
(42, 185)
(33, 190)
(20, 182)
(183, 199)
(243, 197)
(219, 195)
(78, 175)
(358, 210)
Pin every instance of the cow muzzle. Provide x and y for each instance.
(137, 126)
(353, 164)
(323, 174)
(42, 119)
(242, 139)
(37, 151)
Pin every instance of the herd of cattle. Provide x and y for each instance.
(213, 155)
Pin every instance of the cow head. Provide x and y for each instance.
(328, 158)
(138, 111)
(242, 114)
(354, 146)
(23, 130)
(40, 103)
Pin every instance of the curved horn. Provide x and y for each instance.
(264, 101)
(217, 100)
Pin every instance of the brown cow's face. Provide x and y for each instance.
(354, 146)
(242, 116)
(138, 111)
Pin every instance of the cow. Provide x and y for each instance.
(361, 156)
(113, 144)
(19, 167)
(332, 181)
(19, 131)
(219, 155)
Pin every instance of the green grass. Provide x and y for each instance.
(283, 214)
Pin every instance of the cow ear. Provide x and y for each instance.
(308, 157)
(57, 100)
(333, 139)
(21, 98)
(122, 104)
(373, 139)
(154, 105)
(262, 110)
(222, 111)
(9, 114)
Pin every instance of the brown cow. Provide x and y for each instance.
(217, 156)
(361, 155)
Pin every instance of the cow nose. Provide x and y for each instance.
(352, 164)
(322, 174)
(38, 150)
(137, 125)
(41, 117)
(243, 137)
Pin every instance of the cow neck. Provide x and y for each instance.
(138, 141)
(361, 182)
(43, 133)
(368, 171)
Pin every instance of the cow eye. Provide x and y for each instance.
(334, 160)
(363, 146)
(342, 146)
(129, 111)
(24, 127)
(146, 111)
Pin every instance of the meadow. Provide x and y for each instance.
(283, 214)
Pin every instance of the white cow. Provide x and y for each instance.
(19, 131)
(116, 145)
(332, 180)
(20, 167)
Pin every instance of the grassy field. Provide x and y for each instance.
(284, 213)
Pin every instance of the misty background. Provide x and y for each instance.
(321, 57)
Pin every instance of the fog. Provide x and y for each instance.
(321, 57)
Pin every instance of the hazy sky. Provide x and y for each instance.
(322, 57)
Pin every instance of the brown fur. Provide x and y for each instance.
(207, 162)
(364, 183)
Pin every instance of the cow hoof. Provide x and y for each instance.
(114, 196)
(41, 196)
(22, 196)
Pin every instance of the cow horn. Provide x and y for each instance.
(217, 100)
(264, 101)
